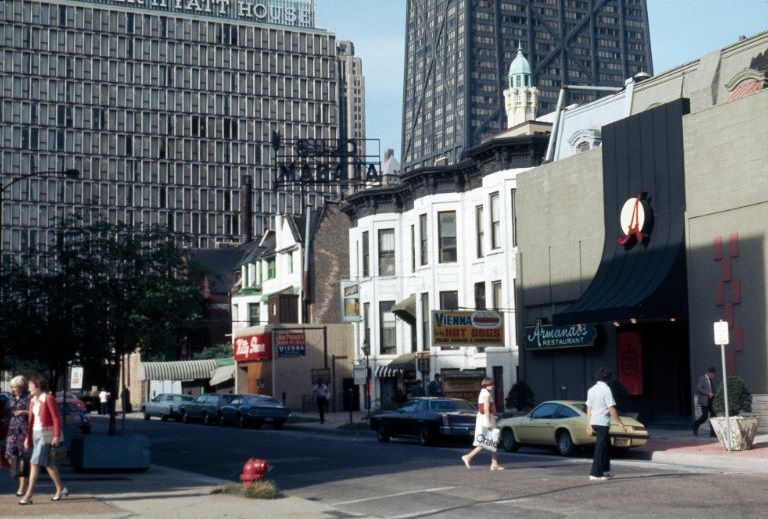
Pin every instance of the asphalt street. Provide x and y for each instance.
(361, 477)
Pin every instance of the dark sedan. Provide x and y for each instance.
(428, 419)
(255, 410)
(206, 408)
(165, 405)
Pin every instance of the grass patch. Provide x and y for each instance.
(257, 490)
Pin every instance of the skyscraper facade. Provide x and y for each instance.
(458, 52)
(165, 107)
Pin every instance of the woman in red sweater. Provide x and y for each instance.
(44, 431)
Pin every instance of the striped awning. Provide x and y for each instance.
(744, 89)
(222, 374)
(387, 372)
(183, 370)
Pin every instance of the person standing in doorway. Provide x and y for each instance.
(103, 401)
(601, 407)
(485, 423)
(705, 395)
(320, 392)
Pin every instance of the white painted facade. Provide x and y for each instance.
(495, 265)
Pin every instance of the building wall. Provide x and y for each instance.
(727, 199)
(560, 242)
(329, 265)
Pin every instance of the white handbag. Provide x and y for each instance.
(488, 439)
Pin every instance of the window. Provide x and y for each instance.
(413, 248)
(366, 255)
(496, 294)
(386, 252)
(449, 300)
(424, 237)
(513, 204)
(367, 325)
(253, 314)
(495, 222)
(480, 296)
(425, 320)
(271, 268)
(446, 231)
(544, 411)
(235, 314)
(479, 230)
(387, 328)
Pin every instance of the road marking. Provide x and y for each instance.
(409, 492)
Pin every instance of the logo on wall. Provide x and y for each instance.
(635, 220)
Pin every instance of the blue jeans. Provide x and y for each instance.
(601, 460)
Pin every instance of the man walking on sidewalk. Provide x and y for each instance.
(321, 394)
(704, 397)
(601, 407)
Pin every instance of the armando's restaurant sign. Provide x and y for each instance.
(298, 13)
(466, 328)
(551, 337)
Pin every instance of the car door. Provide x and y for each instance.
(400, 418)
(536, 428)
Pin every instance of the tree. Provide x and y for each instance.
(739, 397)
(520, 396)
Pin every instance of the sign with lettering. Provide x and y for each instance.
(629, 350)
(350, 300)
(290, 344)
(294, 13)
(551, 337)
(252, 347)
(76, 377)
(456, 328)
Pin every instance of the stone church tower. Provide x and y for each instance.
(521, 97)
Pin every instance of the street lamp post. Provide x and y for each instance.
(367, 351)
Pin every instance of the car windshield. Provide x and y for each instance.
(263, 400)
(187, 398)
(451, 405)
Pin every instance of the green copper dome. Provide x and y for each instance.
(520, 65)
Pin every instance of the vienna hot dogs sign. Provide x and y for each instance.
(466, 328)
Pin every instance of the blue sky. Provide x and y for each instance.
(681, 30)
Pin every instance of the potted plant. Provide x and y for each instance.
(520, 397)
(743, 428)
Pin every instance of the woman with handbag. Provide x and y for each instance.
(43, 433)
(15, 453)
(486, 436)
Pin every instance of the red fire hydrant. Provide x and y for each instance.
(253, 470)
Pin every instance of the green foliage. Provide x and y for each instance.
(214, 352)
(256, 490)
(520, 396)
(620, 395)
(739, 397)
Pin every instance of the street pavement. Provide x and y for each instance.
(330, 474)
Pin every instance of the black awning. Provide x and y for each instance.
(642, 273)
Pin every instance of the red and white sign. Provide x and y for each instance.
(629, 350)
(252, 347)
(634, 215)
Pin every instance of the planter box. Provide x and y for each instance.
(101, 452)
(743, 430)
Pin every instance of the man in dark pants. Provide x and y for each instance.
(601, 407)
(704, 397)
(321, 394)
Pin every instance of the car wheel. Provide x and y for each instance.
(241, 421)
(220, 419)
(565, 445)
(425, 436)
(146, 414)
(206, 419)
(278, 424)
(508, 440)
(184, 417)
(164, 418)
(258, 423)
(381, 433)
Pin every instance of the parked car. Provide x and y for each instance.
(562, 424)
(75, 417)
(427, 418)
(206, 408)
(165, 405)
(74, 400)
(255, 410)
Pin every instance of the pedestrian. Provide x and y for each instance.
(705, 396)
(320, 391)
(103, 401)
(417, 389)
(601, 407)
(485, 426)
(436, 386)
(15, 453)
(43, 433)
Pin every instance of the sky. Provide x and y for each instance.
(681, 30)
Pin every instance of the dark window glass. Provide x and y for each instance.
(544, 411)
(446, 230)
(449, 300)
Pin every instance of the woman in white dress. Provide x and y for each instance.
(484, 423)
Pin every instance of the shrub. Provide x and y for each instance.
(520, 396)
(257, 490)
(620, 395)
(739, 397)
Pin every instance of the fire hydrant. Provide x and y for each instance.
(253, 470)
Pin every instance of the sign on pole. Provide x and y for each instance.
(76, 377)
(721, 333)
(722, 339)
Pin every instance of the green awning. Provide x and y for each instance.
(406, 309)
(406, 362)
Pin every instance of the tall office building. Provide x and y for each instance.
(166, 108)
(351, 96)
(458, 53)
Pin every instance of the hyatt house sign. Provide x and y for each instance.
(297, 13)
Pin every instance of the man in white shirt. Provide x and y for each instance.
(601, 407)
(103, 401)
(321, 394)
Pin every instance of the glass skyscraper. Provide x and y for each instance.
(458, 53)
(166, 108)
